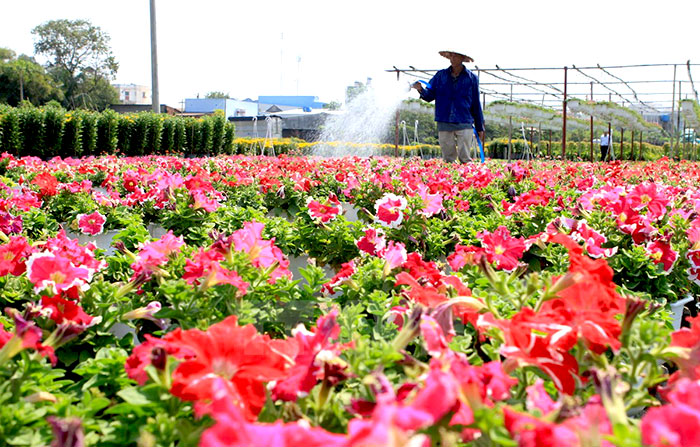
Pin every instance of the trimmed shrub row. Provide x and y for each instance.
(51, 131)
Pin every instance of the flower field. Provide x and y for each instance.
(355, 302)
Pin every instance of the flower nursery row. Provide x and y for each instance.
(291, 301)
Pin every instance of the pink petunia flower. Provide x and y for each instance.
(55, 273)
(432, 203)
(263, 253)
(92, 223)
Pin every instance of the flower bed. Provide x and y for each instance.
(441, 304)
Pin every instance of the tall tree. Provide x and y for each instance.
(22, 78)
(217, 95)
(79, 54)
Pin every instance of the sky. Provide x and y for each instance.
(307, 47)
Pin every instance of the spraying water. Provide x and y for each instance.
(367, 118)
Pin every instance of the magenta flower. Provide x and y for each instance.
(661, 252)
(432, 203)
(92, 223)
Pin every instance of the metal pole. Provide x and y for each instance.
(154, 62)
(673, 107)
(622, 142)
(678, 121)
(591, 124)
(396, 135)
(563, 132)
(632, 147)
(549, 146)
(510, 128)
(640, 145)
(610, 147)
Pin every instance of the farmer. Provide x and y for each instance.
(604, 145)
(457, 107)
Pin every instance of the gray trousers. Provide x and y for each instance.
(456, 144)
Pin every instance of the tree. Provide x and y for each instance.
(217, 95)
(22, 78)
(79, 55)
(353, 91)
(333, 105)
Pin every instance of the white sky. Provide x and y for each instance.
(251, 48)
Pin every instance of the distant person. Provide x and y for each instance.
(457, 107)
(604, 145)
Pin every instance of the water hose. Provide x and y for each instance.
(481, 145)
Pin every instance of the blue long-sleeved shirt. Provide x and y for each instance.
(456, 100)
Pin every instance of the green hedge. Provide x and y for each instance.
(52, 131)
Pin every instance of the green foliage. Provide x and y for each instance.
(89, 133)
(51, 131)
(71, 141)
(108, 132)
(31, 124)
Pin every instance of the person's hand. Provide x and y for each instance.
(417, 85)
(481, 136)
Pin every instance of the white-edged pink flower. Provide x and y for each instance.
(432, 203)
(372, 242)
(92, 224)
(55, 273)
(323, 212)
(389, 210)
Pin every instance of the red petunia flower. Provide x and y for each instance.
(238, 354)
(47, 183)
(501, 249)
(13, 255)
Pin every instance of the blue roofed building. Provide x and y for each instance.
(273, 104)
(230, 107)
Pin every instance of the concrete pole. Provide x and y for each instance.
(396, 134)
(154, 61)
(591, 138)
(673, 108)
(678, 122)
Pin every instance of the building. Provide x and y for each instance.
(133, 94)
(274, 104)
(230, 107)
(257, 126)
